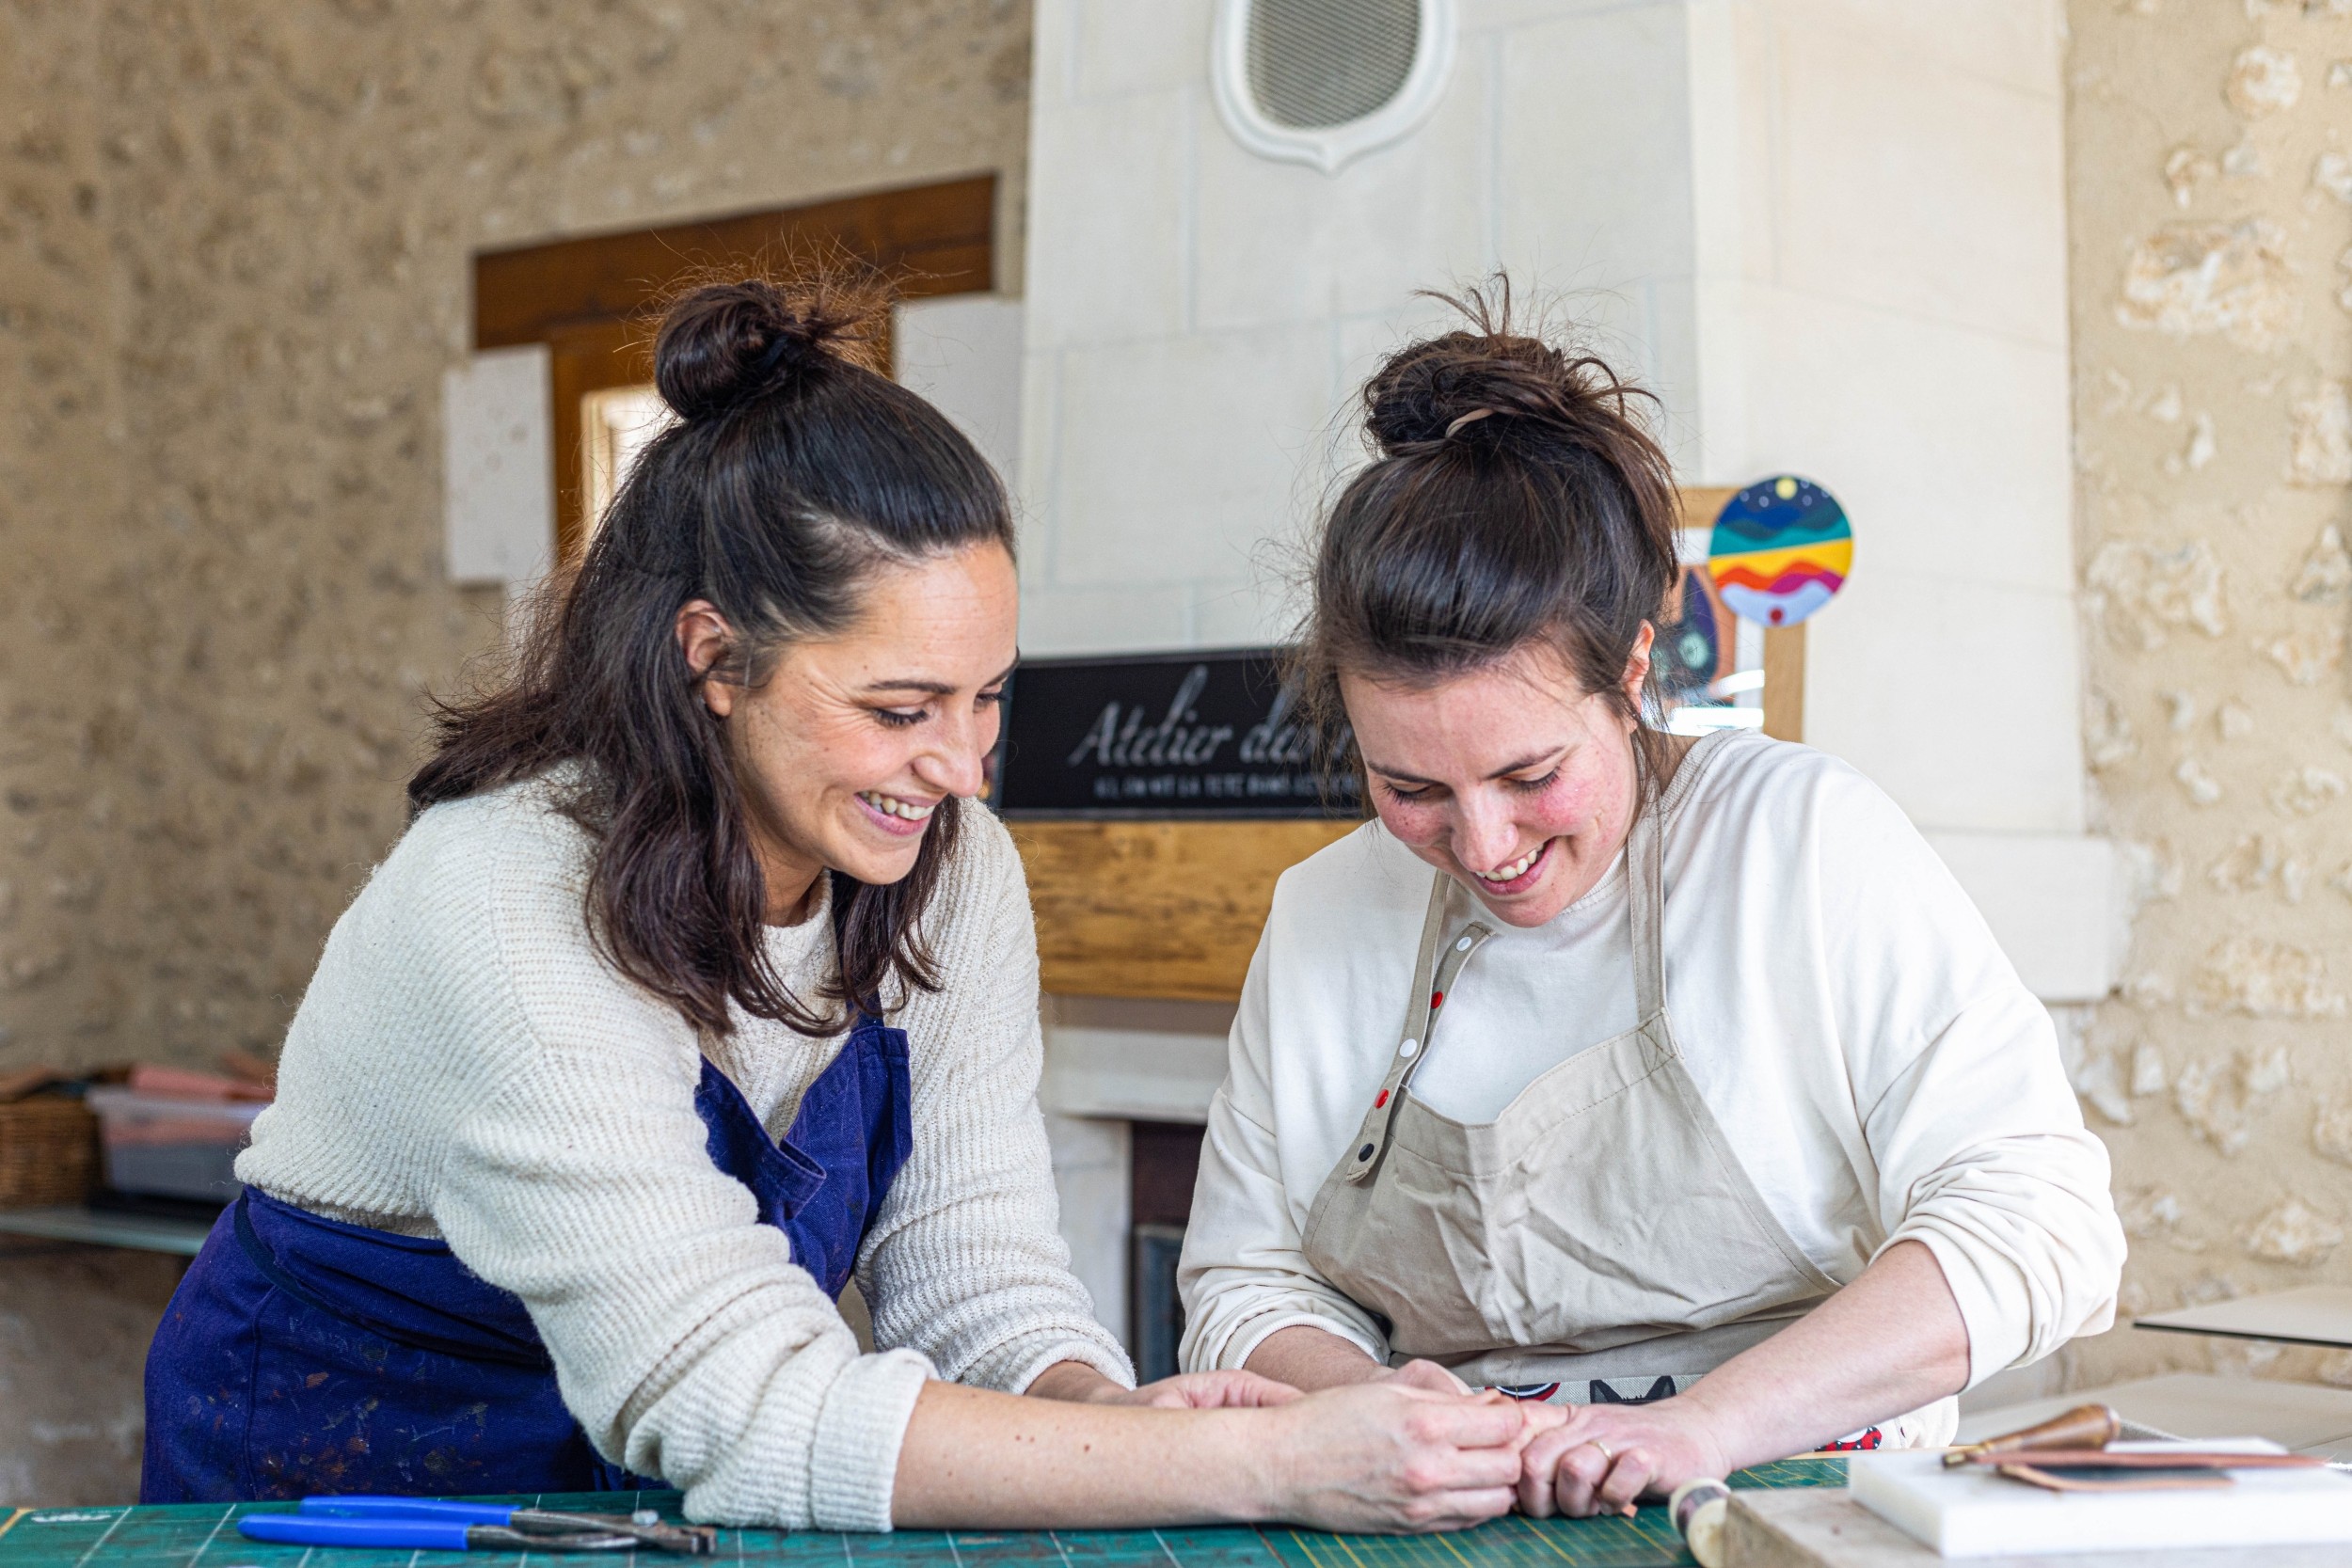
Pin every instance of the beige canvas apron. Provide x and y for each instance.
(1599, 1235)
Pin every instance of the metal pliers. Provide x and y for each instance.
(422, 1523)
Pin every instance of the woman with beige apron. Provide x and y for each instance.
(1675, 1081)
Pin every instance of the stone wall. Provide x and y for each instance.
(234, 245)
(2211, 151)
(235, 261)
(68, 908)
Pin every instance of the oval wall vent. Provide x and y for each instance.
(1325, 81)
(1314, 64)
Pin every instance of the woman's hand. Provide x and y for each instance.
(1202, 1391)
(1892, 1340)
(1425, 1374)
(1308, 1357)
(1080, 1383)
(1373, 1456)
(1389, 1456)
(1606, 1455)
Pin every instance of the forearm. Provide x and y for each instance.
(982, 1460)
(1891, 1341)
(1308, 1357)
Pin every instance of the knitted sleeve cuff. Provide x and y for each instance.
(1019, 1362)
(854, 1456)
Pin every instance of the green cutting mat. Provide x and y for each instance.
(203, 1535)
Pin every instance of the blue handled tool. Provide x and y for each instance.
(435, 1536)
(433, 1525)
(452, 1511)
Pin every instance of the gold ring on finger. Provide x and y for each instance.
(1606, 1451)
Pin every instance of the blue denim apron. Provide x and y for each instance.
(301, 1355)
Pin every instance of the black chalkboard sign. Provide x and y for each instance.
(1209, 734)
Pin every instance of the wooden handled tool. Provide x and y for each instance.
(2159, 1459)
(1699, 1509)
(2086, 1426)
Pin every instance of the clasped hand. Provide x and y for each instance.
(1604, 1456)
(1574, 1460)
(1587, 1459)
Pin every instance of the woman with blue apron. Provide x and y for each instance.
(696, 989)
(322, 1356)
(1670, 1082)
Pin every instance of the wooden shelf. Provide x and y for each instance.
(1157, 909)
(99, 1228)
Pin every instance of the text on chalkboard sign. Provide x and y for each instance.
(1164, 734)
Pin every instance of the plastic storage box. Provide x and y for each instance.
(173, 1147)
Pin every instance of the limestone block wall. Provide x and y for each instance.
(2210, 150)
(1883, 306)
(1199, 316)
(234, 260)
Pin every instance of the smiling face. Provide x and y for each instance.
(1512, 779)
(848, 747)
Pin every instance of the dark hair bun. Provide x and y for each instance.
(723, 344)
(1504, 377)
(1516, 502)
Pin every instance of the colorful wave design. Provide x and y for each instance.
(1837, 557)
(1779, 609)
(1783, 583)
(1780, 512)
(1782, 547)
(1737, 529)
(1780, 588)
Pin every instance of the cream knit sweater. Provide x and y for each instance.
(465, 1065)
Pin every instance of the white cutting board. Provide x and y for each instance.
(2311, 1315)
(1971, 1511)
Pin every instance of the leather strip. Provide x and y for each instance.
(1434, 973)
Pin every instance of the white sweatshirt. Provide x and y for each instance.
(1849, 1020)
(465, 1065)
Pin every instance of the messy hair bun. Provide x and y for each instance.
(727, 342)
(1516, 495)
(1448, 387)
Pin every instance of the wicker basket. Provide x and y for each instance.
(48, 1151)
